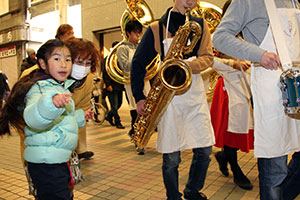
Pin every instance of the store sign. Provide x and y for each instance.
(8, 51)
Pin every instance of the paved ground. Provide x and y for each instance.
(116, 172)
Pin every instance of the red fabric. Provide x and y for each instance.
(71, 183)
(219, 118)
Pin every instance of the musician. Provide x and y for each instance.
(125, 53)
(186, 122)
(231, 113)
(231, 116)
(276, 134)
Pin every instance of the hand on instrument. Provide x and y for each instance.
(61, 100)
(237, 64)
(140, 106)
(270, 60)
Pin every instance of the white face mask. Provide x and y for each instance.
(79, 72)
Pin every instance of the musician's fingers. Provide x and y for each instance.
(140, 107)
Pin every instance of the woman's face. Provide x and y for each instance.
(182, 5)
(85, 63)
(81, 68)
(59, 65)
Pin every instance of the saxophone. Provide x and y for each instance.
(174, 78)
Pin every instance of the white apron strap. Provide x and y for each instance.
(278, 36)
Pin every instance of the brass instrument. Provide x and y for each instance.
(140, 11)
(174, 78)
(212, 15)
(210, 12)
(210, 78)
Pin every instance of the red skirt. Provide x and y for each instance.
(219, 116)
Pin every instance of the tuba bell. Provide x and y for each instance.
(140, 11)
(210, 12)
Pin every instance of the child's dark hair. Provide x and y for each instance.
(12, 111)
(46, 49)
(133, 26)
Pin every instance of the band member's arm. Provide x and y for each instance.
(144, 54)
(233, 63)
(205, 55)
(123, 58)
(239, 14)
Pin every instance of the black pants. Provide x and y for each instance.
(133, 115)
(1, 101)
(51, 180)
(115, 100)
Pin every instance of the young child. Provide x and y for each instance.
(40, 104)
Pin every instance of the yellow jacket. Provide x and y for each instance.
(82, 95)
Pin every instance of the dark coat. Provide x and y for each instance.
(27, 63)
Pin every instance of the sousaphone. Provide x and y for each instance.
(210, 12)
(140, 11)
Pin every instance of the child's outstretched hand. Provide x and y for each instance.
(61, 100)
(88, 114)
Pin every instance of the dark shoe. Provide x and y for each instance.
(130, 134)
(139, 151)
(110, 120)
(120, 126)
(242, 181)
(86, 155)
(195, 196)
(222, 163)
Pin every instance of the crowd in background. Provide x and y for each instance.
(50, 103)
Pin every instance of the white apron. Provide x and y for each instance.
(275, 133)
(147, 87)
(186, 122)
(131, 100)
(240, 118)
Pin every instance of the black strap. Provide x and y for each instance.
(161, 38)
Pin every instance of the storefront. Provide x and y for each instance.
(12, 48)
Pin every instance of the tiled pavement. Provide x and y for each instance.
(116, 172)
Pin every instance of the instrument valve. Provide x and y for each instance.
(157, 89)
(148, 107)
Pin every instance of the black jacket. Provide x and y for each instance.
(108, 81)
(27, 63)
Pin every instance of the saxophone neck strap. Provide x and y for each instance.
(161, 37)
